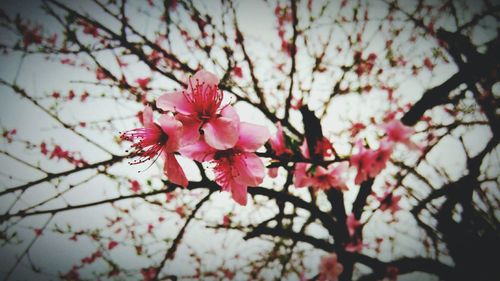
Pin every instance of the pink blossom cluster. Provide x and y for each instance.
(317, 176)
(308, 174)
(59, 153)
(370, 162)
(284, 16)
(9, 134)
(330, 268)
(354, 228)
(89, 28)
(389, 201)
(31, 34)
(364, 66)
(200, 124)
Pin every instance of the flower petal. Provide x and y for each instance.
(338, 175)
(248, 169)
(339, 268)
(206, 77)
(252, 136)
(198, 151)
(361, 176)
(174, 171)
(147, 117)
(413, 146)
(278, 142)
(191, 131)
(173, 128)
(273, 172)
(175, 101)
(222, 133)
(239, 193)
(301, 178)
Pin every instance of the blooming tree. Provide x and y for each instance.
(242, 140)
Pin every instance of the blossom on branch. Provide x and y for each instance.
(278, 142)
(370, 163)
(353, 224)
(200, 109)
(330, 268)
(155, 140)
(143, 82)
(389, 201)
(397, 132)
(318, 177)
(238, 167)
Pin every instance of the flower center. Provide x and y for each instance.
(322, 178)
(205, 99)
(228, 153)
(163, 138)
(148, 143)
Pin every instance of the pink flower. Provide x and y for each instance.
(43, 148)
(399, 133)
(428, 63)
(148, 274)
(31, 35)
(9, 135)
(329, 268)
(389, 201)
(396, 131)
(319, 177)
(333, 177)
(100, 74)
(302, 175)
(238, 167)
(180, 210)
(356, 128)
(71, 95)
(273, 172)
(89, 28)
(352, 224)
(226, 220)
(200, 109)
(112, 244)
(363, 163)
(72, 274)
(238, 72)
(156, 140)
(59, 153)
(135, 186)
(143, 82)
(380, 158)
(354, 246)
(84, 96)
(370, 163)
(296, 103)
(323, 147)
(278, 143)
(228, 274)
(92, 258)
